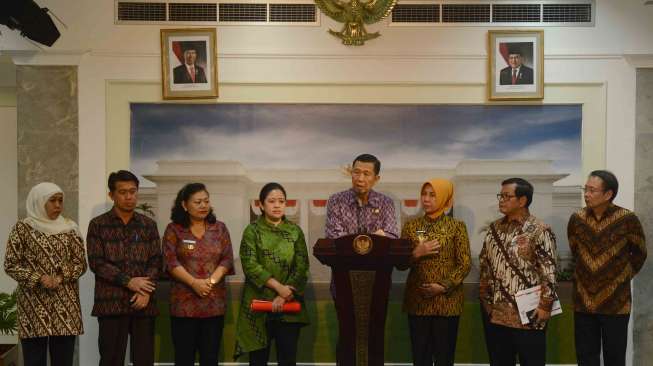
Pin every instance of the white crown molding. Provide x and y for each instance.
(73, 57)
(640, 60)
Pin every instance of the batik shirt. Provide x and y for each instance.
(608, 254)
(199, 257)
(268, 251)
(116, 253)
(448, 268)
(345, 216)
(516, 256)
(31, 254)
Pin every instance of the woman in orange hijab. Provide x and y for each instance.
(434, 290)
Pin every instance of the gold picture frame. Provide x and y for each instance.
(189, 63)
(515, 65)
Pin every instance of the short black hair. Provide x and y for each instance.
(180, 216)
(522, 188)
(368, 158)
(514, 50)
(265, 191)
(610, 182)
(121, 176)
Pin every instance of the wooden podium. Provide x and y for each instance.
(362, 270)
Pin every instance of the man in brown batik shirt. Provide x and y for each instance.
(608, 245)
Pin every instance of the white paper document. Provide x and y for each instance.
(527, 302)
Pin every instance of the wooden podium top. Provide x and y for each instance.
(363, 251)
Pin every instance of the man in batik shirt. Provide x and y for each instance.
(609, 248)
(361, 210)
(519, 253)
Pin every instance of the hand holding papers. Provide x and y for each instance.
(527, 302)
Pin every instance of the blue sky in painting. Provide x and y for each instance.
(328, 135)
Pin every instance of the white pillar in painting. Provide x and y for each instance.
(477, 183)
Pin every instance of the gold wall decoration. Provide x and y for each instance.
(362, 285)
(354, 14)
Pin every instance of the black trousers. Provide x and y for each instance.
(285, 336)
(593, 330)
(112, 339)
(35, 350)
(433, 339)
(191, 335)
(505, 344)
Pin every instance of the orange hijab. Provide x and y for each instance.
(443, 195)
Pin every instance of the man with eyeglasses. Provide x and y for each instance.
(519, 253)
(609, 248)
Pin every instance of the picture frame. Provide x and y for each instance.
(189, 63)
(515, 65)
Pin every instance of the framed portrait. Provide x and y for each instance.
(189, 63)
(515, 65)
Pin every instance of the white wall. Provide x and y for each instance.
(262, 55)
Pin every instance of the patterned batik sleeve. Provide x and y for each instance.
(484, 292)
(169, 243)
(333, 226)
(546, 268)
(227, 259)
(462, 258)
(390, 219)
(405, 234)
(75, 267)
(299, 270)
(571, 234)
(15, 264)
(155, 261)
(97, 261)
(254, 271)
(637, 241)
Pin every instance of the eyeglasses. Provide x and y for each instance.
(364, 173)
(505, 197)
(591, 190)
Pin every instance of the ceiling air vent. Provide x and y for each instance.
(465, 13)
(245, 12)
(148, 12)
(516, 13)
(192, 12)
(567, 13)
(292, 13)
(416, 13)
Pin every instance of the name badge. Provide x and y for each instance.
(190, 244)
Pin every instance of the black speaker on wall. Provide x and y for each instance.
(30, 19)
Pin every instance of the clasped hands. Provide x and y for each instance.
(284, 294)
(203, 287)
(51, 281)
(142, 288)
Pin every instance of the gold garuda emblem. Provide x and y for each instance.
(362, 244)
(355, 13)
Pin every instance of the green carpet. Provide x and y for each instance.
(317, 341)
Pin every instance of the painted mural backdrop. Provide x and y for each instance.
(328, 136)
(402, 136)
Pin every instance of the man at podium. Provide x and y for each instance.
(360, 210)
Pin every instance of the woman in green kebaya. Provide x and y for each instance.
(275, 262)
